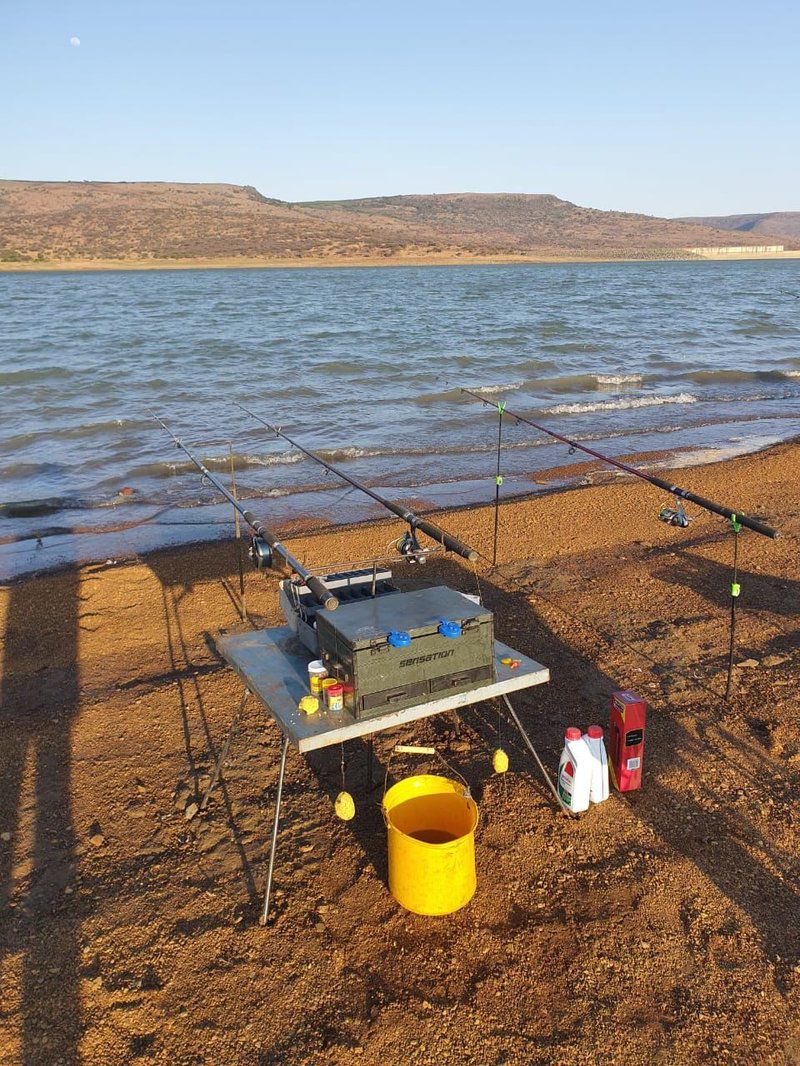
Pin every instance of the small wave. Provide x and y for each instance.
(39, 373)
(554, 329)
(618, 379)
(492, 390)
(733, 376)
(338, 455)
(569, 347)
(618, 405)
(585, 382)
(40, 508)
(348, 366)
(221, 464)
(283, 459)
(89, 429)
(765, 329)
(452, 395)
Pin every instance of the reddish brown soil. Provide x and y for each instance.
(663, 926)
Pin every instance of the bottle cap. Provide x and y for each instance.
(572, 733)
(595, 732)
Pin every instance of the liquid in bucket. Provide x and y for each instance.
(433, 836)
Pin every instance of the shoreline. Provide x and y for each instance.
(126, 543)
(350, 262)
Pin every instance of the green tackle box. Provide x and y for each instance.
(408, 648)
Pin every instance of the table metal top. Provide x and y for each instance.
(273, 665)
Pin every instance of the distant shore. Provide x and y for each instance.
(320, 262)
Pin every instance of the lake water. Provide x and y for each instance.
(693, 358)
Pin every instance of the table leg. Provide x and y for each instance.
(223, 755)
(268, 890)
(532, 750)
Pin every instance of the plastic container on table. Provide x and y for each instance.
(316, 675)
(334, 698)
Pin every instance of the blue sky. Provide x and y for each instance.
(667, 108)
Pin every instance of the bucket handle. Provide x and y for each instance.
(415, 749)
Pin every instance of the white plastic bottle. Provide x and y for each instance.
(575, 771)
(593, 738)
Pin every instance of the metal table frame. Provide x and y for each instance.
(273, 665)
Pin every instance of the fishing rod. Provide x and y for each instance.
(673, 490)
(265, 545)
(448, 542)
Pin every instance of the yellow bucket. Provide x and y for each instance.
(431, 825)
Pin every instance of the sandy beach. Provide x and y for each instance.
(663, 926)
(276, 263)
(311, 262)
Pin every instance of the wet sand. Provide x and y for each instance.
(662, 926)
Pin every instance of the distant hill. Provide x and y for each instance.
(158, 220)
(526, 223)
(771, 224)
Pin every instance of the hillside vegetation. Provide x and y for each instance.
(160, 220)
(779, 224)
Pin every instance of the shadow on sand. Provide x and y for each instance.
(39, 923)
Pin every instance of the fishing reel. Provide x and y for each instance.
(260, 554)
(674, 516)
(410, 548)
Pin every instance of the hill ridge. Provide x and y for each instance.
(88, 220)
(781, 224)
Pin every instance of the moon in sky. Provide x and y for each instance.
(75, 42)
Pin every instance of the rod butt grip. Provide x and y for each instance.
(322, 593)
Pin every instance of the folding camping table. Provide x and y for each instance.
(273, 666)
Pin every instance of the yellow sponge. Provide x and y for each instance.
(499, 761)
(344, 806)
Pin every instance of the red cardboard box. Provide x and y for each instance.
(626, 740)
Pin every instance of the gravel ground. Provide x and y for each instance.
(662, 926)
